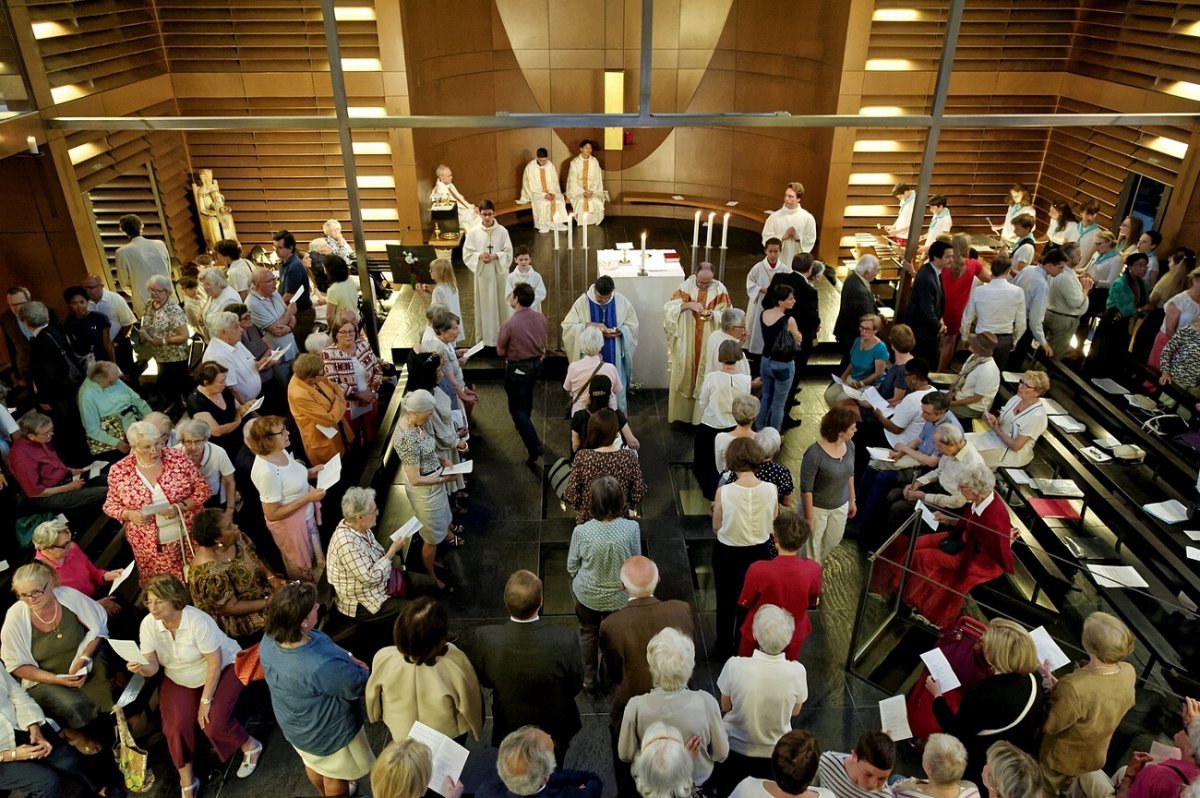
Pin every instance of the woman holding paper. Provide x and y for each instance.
(213, 403)
(166, 482)
(55, 546)
(212, 461)
(289, 503)
(319, 409)
(1021, 421)
(351, 365)
(52, 637)
(316, 691)
(227, 580)
(868, 360)
(427, 372)
(424, 482)
(198, 685)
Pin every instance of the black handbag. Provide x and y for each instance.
(952, 544)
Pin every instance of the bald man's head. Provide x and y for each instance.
(639, 576)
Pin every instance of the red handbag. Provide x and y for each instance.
(247, 667)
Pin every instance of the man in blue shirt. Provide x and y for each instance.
(292, 278)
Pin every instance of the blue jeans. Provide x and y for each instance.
(776, 381)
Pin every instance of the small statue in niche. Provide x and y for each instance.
(216, 219)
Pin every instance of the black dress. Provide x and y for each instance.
(989, 713)
(197, 402)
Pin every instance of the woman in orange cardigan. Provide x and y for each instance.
(315, 402)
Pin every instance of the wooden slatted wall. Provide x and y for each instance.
(1137, 42)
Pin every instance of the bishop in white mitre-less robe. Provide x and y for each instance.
(491, 291)
(585, 186)
(444, 190)
(691, 315)
(756, 285)
(614, 312)
(539, 186)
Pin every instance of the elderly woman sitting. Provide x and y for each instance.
(108, 406)
(54, 545)
(944, 760)
(219, 295)
(319, 409)
(212, 461)
(51, 642)
(671, 656)
(1018, 425)
(43, 477)
(366, 580)
(663, 766)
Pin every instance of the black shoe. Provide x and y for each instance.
(790, 423)
(534, 457)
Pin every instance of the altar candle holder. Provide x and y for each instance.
(721, 271)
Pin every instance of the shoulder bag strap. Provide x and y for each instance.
(1028, 706)
(575, 396)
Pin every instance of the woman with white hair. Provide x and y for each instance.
(663, 765)
(212, 461)
(770, 441)
(164, 335)
(580, 373)
(54, 545)
(671, 656)
(225, 347)
(290, 504)
(219, 294)
(760, 694)
(944, 760)
(156, 492)
(365, 578)
(338, 245)
(745, 411)
(108, 406)
(424, 482)
(1011, 773)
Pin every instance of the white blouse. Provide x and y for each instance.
(281, 484)
(182, 654)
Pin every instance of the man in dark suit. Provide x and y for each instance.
(535, 670)
(623, 639)
(56, 374)
(927, 301)
(857, 301)
(806, 312)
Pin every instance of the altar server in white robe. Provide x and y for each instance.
(795, 227)
(689, 318)
(940, 221)
(539, 186)
(488, 253)
(757, 282)
(601, 306)
(443, 190)
(523, 273)
(585, 186)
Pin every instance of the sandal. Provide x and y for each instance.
(455, 541)
(249, 762)
(84, 745)
(192, 789)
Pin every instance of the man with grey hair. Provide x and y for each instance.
(139, 260)
(733, 328)
(939, 486)
(857, 301)
(624, 636)
(760, 694)
(525, 766)
(274, 317)
(226, 348)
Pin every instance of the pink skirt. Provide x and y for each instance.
(298, 541)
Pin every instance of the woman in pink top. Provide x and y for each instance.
(54, 544)
(957, 282)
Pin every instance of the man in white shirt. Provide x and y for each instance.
(539, 187)
(239, 272)
(997, 307)
(274, 317)
(906, 421)
(975, 387)
(904, 217)
(444, 193)
(733, 328)
(937, 488)
(792, 225)
(120, 319)
(488, 253)
(1034, 281)
(226, 347)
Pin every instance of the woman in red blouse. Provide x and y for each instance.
(353, 367)
(54, 545)
(957, 282)
(153, 475)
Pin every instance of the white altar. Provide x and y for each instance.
(647, 294)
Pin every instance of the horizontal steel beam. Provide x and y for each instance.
(776, 120)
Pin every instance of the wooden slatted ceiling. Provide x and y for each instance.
(1137, 42)
(106, 43)
(255, 36)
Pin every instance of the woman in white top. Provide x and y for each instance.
(1021, 204)
(219, 296)
(793, 767)
(1062, 217)
(742, 516)
(212, 461)
(717, 394)
(745, 411)
(289, 503)
(1181, 310)
(198, 685)
(445, 291)
(580, 373)
(944, 761)
(1021, 422)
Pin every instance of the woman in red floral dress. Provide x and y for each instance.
(153, 475)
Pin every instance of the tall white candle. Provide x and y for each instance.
(556, 238)
(708, 238)
(31, 142)
(725, 231)
(570, 235)
(584, 226)
(696, 232)
(643, 249)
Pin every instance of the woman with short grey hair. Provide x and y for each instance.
(663, 767)
(590, 364)
(745, 411)
(107, 406)
(770, 441)
(164, 337)
(54, 545)
(212, 461)
(944, 761)
(367, 581)
(671, 656)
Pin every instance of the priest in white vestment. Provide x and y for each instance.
(585, 186)
(757, 281)
(488, 253)
(689, 318)
(795, 227)
(444, 194)
(601, 306)
(539, 186)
